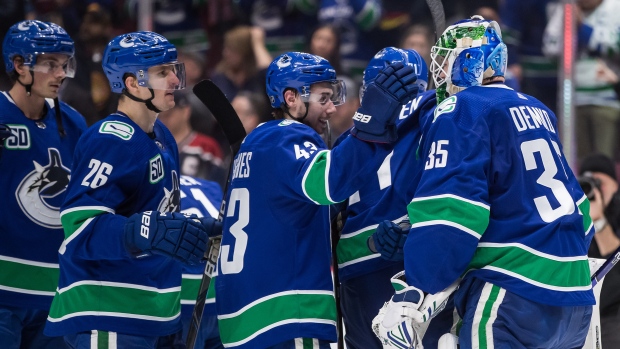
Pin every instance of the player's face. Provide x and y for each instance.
(321, 107)
(49, 72)
(165, 81)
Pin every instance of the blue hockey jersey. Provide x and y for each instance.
(385, 195)
(274, 280)
(202, 198)
(35, 167)
(118, 170)
(498, 201)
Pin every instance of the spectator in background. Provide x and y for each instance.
(195, 66)
(248, 106)
(523, 24)
(325, 42)
(598, 108)
(418, 37)
(199, 155)
(600, 183)
(244, 62)
(89, 92)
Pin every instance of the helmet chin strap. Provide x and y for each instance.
(28, 87)
(286, 110)
(148, 102)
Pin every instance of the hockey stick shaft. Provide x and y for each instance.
(606, 267)
(212, 97)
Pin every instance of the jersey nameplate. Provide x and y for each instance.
(20, 138)
(119, 129)
(447, 106)
(156, 167)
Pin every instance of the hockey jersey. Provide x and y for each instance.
(35, 163)
(498, 201)
(385, 195)
(274, 280)
(202, 198)
(118, 170)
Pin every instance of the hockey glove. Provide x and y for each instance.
(389, 240)
(170, 234)
(375, 120)
(212, 226)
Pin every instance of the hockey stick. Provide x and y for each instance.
(214, 99)
(606, 267)
(439, 20)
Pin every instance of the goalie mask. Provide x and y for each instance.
(467, 52)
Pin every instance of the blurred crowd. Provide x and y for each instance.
(233, 41)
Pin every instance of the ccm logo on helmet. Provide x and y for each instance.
(362, 117)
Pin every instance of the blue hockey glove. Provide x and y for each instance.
(212, 226)
(375, 120)
(389, 240)
(173, 235)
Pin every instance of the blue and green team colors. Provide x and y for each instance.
(35, 163)
(118, 170)
(385, 194)
(498, 201)
(274, 281)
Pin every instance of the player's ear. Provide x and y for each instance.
(290, 96)
(131, 83)
(18, 64)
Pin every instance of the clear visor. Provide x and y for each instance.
(52, 64)
(326, 91)
(167, 77)
(441, 59)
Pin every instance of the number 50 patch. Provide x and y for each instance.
(156, 167)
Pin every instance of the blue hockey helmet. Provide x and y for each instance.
(467, 52)
(134, 53)
(419, 67)
(32, 38)
(299, 70)
(389, 55)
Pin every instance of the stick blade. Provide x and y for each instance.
(214, 99)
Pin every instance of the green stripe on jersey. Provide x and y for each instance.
(488, 311)
(463, 214)
(584, 210)
(103, 340)
(73, 220)
(125, 302)
(280, 309)
(353, 249)
(191, 285)
(28, 277)
(315, 183)
(534, 267)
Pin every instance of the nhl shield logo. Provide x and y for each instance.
(38, 194)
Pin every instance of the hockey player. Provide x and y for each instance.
(365, 275)
(202, 198)
(120, 262)
(35, 163)
(497, 205)
(274, 287)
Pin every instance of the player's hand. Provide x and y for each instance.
(375, 120)
(183, 238)
(212, 226)
(389, 240)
